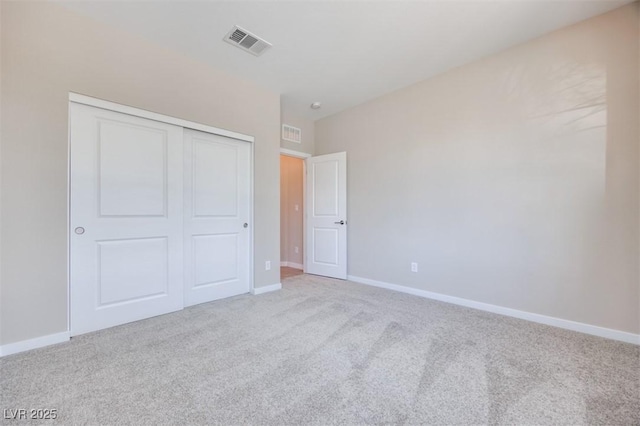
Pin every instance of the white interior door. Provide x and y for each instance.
(217, 217)
(326, 224)
(126, 218)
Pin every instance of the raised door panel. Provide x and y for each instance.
(325, 246)
(325, 194)
(215, 179)
(132, 176)
(132, 270)
(215, 259)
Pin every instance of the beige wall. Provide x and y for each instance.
(1, 79)
(48, 52)
(291, 170)
(308, 132)
(512, 180)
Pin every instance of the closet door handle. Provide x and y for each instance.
(342, 222)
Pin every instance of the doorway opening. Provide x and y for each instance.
(291, 216)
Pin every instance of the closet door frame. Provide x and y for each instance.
(136, 112)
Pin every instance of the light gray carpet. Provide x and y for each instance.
(324, 351)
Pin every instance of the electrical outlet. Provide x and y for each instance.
(414, 267)
(296, 249)
(297, 207)
(267, 265)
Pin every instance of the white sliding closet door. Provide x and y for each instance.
(217, 216)
(126, 260)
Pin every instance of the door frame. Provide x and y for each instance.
(78, 98)
(303, 156)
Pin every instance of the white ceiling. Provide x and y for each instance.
(342, 53)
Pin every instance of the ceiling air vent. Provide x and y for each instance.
(246, 41)
(291, 134)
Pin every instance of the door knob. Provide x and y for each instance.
(342, 222)
(245, 225)
(79, 230)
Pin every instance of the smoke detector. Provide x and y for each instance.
(246, 41)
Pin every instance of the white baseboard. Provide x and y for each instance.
(594, 330)
(292, 265)
(266, 289)
(38, 342)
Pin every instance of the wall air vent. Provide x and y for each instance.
(246, 41)
(291, 134)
